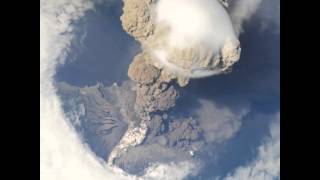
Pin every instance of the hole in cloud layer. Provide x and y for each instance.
(82, 121)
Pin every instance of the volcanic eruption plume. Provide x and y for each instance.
(180, 39)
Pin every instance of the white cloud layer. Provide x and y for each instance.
(170, 171)
(267, 164)
(62, 154)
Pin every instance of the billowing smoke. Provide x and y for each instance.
(188, 39)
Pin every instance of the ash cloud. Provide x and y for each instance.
(189, 39)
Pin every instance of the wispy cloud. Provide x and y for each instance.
(266, 166)
(219, 123)
(241, 11)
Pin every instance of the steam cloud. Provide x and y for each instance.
(200, 37)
